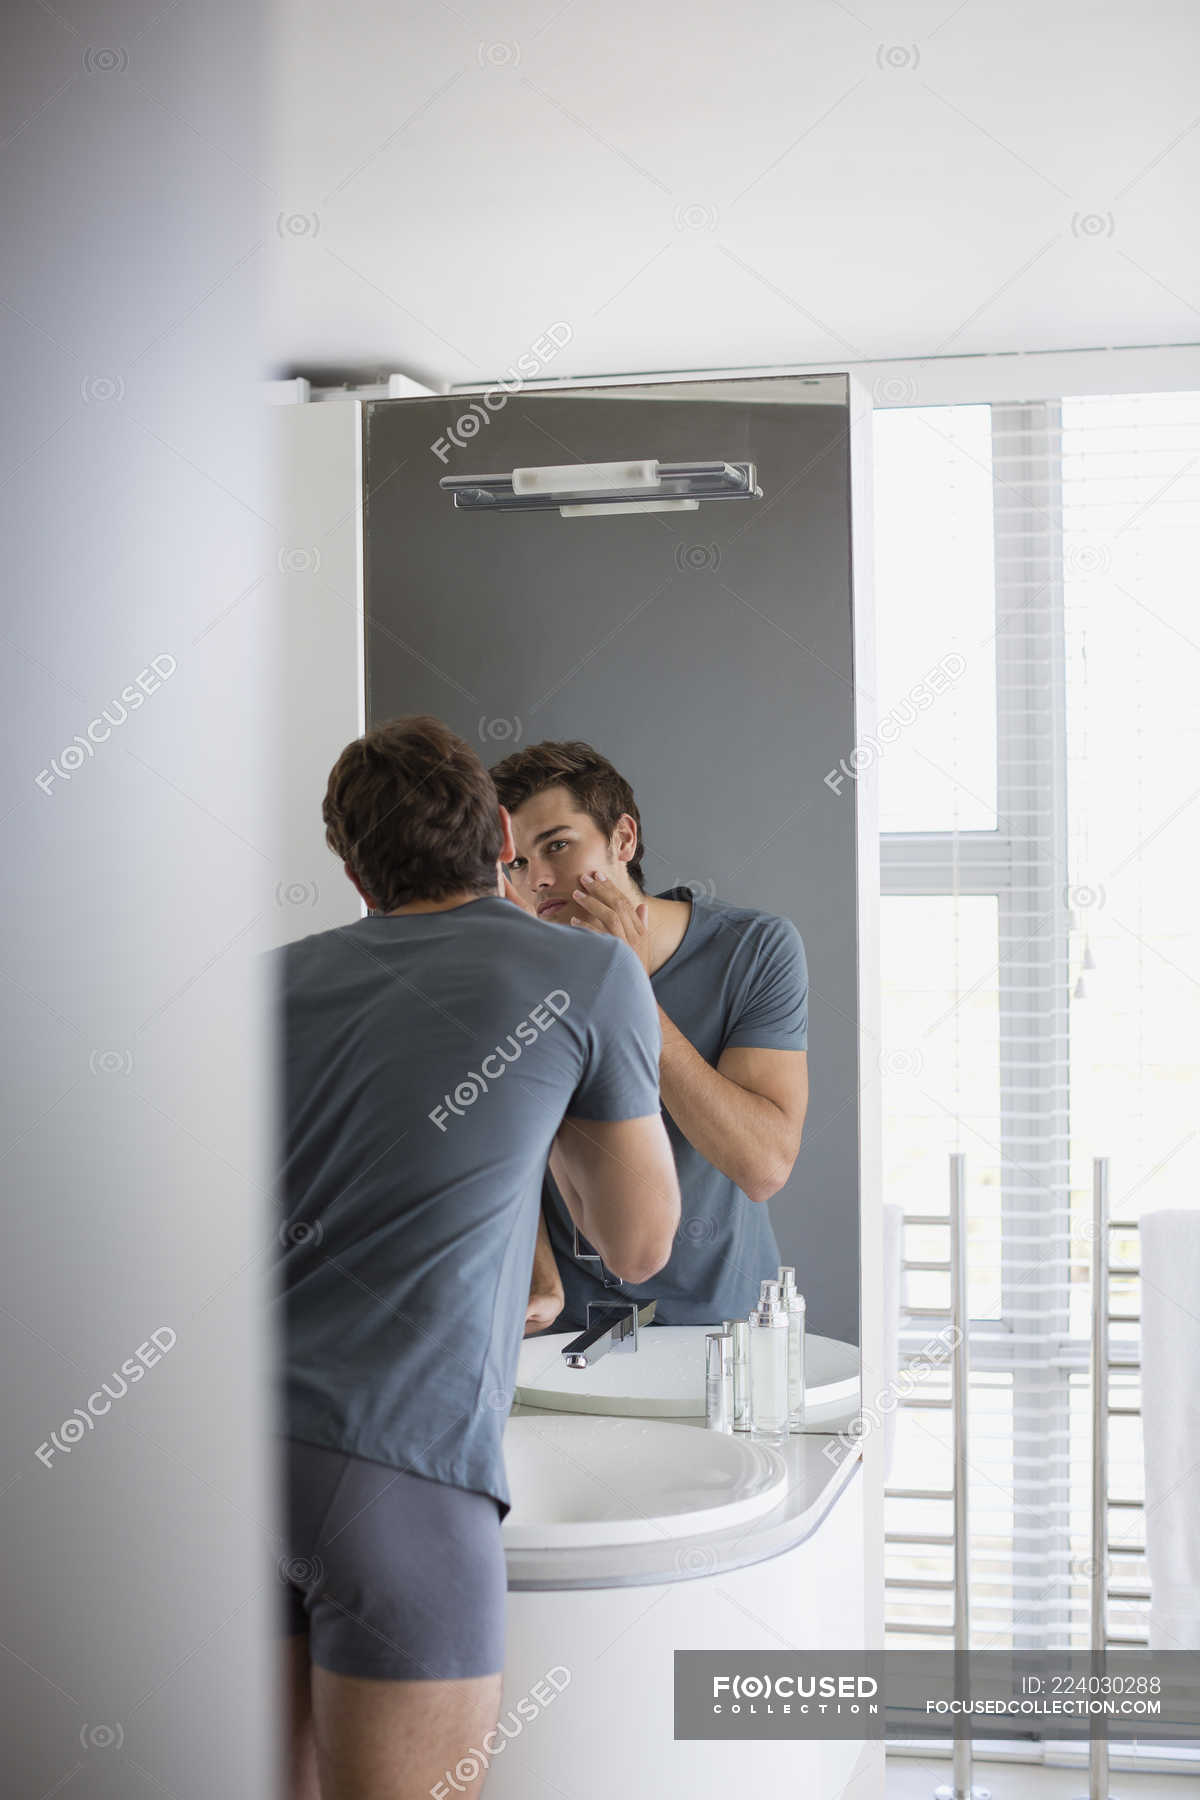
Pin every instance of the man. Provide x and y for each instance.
(433, 1053)
(731, 984)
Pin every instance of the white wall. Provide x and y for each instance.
(137, 527)
(315, 455)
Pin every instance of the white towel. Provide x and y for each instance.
(1170, 1260)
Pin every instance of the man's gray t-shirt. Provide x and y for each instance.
(739, 977)
(428, 1060)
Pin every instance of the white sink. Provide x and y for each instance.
(602, 1480)
(664, 1377)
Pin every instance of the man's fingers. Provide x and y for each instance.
(602, 888)
(510, 893)
(542, 1310)
(596, 907)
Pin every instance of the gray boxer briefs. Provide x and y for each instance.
(392, 1575)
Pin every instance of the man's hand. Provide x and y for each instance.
(546, 1295)
(542, 1310)
(613, 915)
(510, 893)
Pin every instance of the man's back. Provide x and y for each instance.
(428, 1061)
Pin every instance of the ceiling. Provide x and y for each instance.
(690, 185)
(674, 184)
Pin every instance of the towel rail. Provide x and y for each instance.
(1101, 1317)
(1104, 1358)
(920, 1493)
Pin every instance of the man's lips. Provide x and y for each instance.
(549, 906)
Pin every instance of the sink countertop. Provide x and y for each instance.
(815, 1482)
(667, 1380)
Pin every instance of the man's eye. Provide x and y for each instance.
(558, 844)
(516, 865)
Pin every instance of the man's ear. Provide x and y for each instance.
(624, 839)
(508, 849)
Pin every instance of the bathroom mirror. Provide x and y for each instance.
(706, 650)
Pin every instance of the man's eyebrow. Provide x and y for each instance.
(553, 831)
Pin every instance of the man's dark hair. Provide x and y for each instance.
(412, 810)
(590, 779)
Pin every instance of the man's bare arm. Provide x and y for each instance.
(545, 1288)
(618, 1180)
(619, 1185)
(746, 1116)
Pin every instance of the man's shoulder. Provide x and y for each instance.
(598, 975)
(746, 930)
(564, 953)
(753, 915)
(312, 946)
(571, 947)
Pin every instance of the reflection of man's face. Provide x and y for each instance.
(556, 844)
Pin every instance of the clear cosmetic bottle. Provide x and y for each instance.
(739, 1331)
(795, 1306)
(718, 1381)
(768, 1366)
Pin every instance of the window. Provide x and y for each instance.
(1040, 958)
(933, 556)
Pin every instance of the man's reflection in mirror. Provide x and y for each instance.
(731, 983)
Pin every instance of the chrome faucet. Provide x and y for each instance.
(611, 1325)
